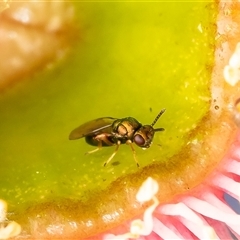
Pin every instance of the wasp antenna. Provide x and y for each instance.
(158, 129)
(158, 116)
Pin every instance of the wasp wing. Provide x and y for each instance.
(92, 128)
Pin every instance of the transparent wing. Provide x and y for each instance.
(93, 127)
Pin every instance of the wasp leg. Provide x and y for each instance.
(129, 142)
(114, 153)
(99, 147)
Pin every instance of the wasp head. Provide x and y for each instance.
(143, 137)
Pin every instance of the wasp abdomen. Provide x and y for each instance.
(94, 141)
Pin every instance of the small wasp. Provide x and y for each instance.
(108, 131)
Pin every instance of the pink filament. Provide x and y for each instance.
(205, 207)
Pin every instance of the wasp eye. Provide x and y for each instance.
(139, 140)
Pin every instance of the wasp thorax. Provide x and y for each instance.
(144, 136)
(125, 127)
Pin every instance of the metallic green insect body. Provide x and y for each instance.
(107, 131)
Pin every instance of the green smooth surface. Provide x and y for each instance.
(132, 59)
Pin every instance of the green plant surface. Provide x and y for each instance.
(131, 59)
